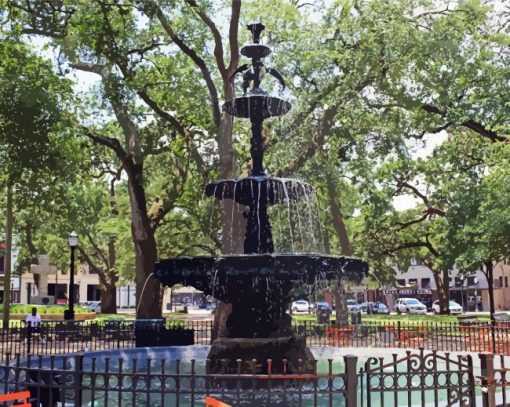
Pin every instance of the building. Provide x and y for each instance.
(14, 279)
(188, 296)
(471, 290)
(54, 285)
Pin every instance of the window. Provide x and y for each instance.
(425, 283)
(401, 282)
(93, 292)
(413, 281)
(506, 282)
(501, 281)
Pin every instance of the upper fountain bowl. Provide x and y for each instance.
(256, 103)
(249, 190)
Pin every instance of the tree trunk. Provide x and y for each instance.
(108, 298)
(231, 213)
(7, 257)
(489, 268)
(341, 312)
(147, 287)
(442, 280)
(338, 218)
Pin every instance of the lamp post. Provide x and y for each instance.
(69, 313)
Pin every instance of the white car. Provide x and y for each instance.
(410, 306)
(454, 307)
(300, 306)
(353, 306)
(92, 305)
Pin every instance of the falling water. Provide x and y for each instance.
(321, 232)
(214, 283)
(212, 208)
(287, 200)
(258, 213)
(293, 188)
(279, 212)
(232, 217)
(310, 221)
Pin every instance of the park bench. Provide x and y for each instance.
(502, 320)
(118, 329)
(338, 336)
(153, 332)
(66, 331)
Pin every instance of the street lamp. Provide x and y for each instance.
(69, 313)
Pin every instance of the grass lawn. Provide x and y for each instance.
(168, 316)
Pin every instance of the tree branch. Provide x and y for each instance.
(470, 124)
(162, 113)
(111, 143)
(218, 45)
(233, 37)
(98, 251)
(101, 273)
(430, 209)
(199, 62)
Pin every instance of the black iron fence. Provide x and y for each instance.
(412, 378)
(67, 337)
(82, 381)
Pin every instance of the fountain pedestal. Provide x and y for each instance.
(254, 354)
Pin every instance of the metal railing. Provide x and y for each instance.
(83, 381)
(413, 378)
(67, 337)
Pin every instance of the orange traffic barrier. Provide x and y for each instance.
(22, 397)
(210, 402)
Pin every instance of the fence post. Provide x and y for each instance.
(77, 380)
(488, 385)
(351, 380)
(29, 337)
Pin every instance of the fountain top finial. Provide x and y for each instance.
(256, 29)
(255, 101)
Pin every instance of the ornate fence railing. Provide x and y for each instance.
(90, 381)
(66, 337)
(412, 378)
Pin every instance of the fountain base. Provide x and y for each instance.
(225, 352)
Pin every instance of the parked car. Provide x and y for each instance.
(410, 306)
(321, 305)
(92, 305)
(353, 306)
(300, 306)
(454, 307)
(378, 308)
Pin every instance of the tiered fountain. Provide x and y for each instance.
(258, 283)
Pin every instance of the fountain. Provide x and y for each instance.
(259, 282)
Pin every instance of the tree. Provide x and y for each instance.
(109, 40)
(478, 236)
(31, 126)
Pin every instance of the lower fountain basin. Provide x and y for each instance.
(219, 276)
